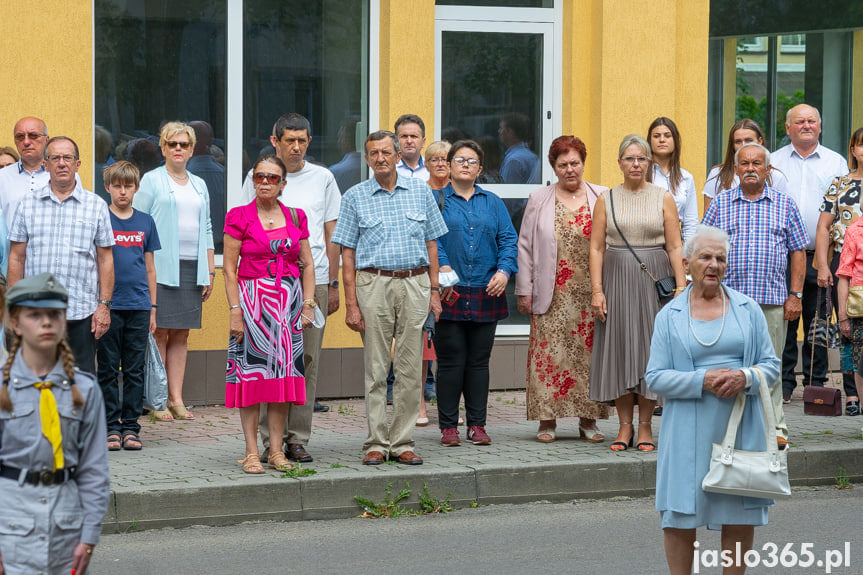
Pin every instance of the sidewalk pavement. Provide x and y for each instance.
(187, 473)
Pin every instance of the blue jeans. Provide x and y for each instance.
(124, 344)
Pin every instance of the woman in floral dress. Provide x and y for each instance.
(553, 286)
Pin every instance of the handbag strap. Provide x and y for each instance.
(769, 422)
(632, 251)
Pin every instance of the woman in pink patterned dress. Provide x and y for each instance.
(553, 286)
(270, 305)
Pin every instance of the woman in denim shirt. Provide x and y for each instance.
(481, 248)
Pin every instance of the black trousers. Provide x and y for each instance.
(463, 349)
(83, 343)
(124, 345)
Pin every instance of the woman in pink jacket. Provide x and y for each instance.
(553, 286)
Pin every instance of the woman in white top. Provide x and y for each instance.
(664, 139)
(179, 203)
(722, 176)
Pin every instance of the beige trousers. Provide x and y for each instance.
(392, 308)
(778, 327)
(299, 425)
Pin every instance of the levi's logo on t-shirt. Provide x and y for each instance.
(129, 239)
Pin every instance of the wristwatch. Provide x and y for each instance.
(799, 294)
(107, 302)
(334, 284)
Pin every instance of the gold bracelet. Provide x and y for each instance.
(679, 288)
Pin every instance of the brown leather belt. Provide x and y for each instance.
(397, 274)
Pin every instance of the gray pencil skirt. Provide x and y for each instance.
(180, 307)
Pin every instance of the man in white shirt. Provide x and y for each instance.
(313, 189)
(411, 132)
(27, 174)
(809, 167)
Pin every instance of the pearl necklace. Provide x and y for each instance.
(721, 326)
(179, 178)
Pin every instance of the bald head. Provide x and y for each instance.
(31, 136)
(803, 126)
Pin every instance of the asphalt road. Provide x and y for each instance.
(582, 537)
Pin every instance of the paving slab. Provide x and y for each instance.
(187, 473)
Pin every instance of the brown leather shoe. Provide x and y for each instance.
(407, 458)
(374, 458)
(296, 452)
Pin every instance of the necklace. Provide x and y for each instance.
(721, 326)
(179, 178)
(565, 193)
(267, 214)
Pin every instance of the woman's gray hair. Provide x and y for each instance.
(637, 140)
(703, 232)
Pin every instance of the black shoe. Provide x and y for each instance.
(852, 408)
(657, 410)
(321, 408)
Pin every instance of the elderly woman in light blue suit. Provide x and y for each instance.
(703, 344)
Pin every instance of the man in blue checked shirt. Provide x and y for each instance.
(387, 228)
(764, 226)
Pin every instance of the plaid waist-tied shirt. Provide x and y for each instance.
(474, 304)
(762, 233)
(62, 238)
(389, 230)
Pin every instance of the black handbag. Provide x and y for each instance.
(665, 286)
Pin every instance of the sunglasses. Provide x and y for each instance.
(173, 144)
(19, 137)
(261, 177)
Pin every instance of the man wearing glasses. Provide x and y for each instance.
(387, 229)
(66, 230)
(313, 189)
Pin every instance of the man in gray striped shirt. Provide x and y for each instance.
(66, 230)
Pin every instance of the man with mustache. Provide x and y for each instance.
(809, 167)
(387, 228)
(766, 232)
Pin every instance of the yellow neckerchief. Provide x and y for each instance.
(50, 421)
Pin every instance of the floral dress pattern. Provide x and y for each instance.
(558, 356)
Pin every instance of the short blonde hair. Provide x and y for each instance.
(435, 148)
(638, 141)
(171, 129)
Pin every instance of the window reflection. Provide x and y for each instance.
(158, 61)
(306, 57)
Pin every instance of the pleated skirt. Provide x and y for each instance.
(621, 344)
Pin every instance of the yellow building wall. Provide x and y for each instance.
(46, 55)
(624, 66)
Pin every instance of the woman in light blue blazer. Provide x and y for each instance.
(179, 203)
(703, 344)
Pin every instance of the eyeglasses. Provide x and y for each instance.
(469, 161)
(436, 161)
(173, 144)
(19, 137)
(68, 159)
(635, 159)
(261, 177)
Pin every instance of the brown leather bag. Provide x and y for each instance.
(822, 401)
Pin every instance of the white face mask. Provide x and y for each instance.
(447, 279)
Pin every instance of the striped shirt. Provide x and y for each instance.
(762, 233)
(62, 238)
(389, 230)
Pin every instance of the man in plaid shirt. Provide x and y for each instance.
(764, 226)
(387, 228)
(66, 230)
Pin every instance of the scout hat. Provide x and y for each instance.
(42, 291)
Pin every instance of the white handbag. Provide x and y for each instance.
(749, 473)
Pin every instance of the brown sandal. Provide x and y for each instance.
(252, 464)
(161, 415)
(180, 412)
(279, 462)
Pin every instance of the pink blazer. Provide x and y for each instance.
(537, 246)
